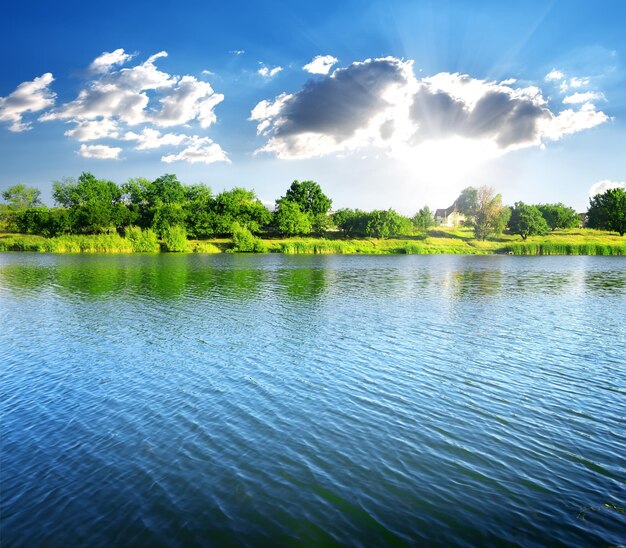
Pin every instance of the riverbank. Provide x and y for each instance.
(438, 240)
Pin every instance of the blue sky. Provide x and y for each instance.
(407, 103)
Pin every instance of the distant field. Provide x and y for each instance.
(439, 240)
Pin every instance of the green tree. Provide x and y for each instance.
(199, 211)
(559, 216)
(467, 202)
(526, 220)
(423, 219)
(385, 223)
(21, 196)
(241, 206)
(95, 205)
(351, 222)
(290, 220)
(490, 216)
(608, 211)
(309, 196)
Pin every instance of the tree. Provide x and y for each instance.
(467, 202)
(352, 222)
(608, 211)
(526, 220)
(490, 216)
(309, 196)
(240, 206)
(559, 216)
(290, 219)
(95, 205)
(383, 224)
(21, 196)
(199, 214)
(423, 219)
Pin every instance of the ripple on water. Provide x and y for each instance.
(371, 400)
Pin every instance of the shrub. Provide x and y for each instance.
(175, 239)
(245, 242)
(142, 241)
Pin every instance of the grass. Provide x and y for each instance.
(439, 240)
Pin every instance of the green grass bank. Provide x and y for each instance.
(438, 240)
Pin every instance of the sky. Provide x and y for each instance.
(385, 104)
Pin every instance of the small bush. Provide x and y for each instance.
(142, 241)
(175, 239)
(245, 242)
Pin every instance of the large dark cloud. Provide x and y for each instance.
(381, 103)
(497, 115)
(340, 104)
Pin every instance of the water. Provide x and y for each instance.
(211, 400)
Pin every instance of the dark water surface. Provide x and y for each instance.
(181, 400)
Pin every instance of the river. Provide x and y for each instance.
(184, 400)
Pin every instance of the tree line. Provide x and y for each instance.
(166, 208)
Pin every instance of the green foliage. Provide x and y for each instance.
(291, 220)
(240, 206)
(245, 242)
(198, 209)
(309, 197)
(352, 222)
(526, 220)
(95, 205)
(175, 238)
(21, 196)
(423, 219)
(490, 216)
(559, 216)
(608, 211)
(142, 240)
(385, 223)
(467, 202)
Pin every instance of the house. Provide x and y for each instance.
(450, 216)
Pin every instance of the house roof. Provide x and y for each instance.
(446, 212)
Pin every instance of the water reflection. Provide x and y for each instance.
(308, 278)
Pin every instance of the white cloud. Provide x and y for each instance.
(237, 52)
(121, 95)
(578, 82)
(91, 130)
(100, 152)
(578, 98)
(380, 103)
(107, 60)
(571, 121)
(321, 64)
(267, 72)
(508, 82)
(190, 99)
(31, 96)
(573, 83)
(602, 186)
(116, 100)
(151, 138)
(201, 150)
(555, 74)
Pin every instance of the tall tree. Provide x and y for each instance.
(309, 197)
(490, 216)
(21, 196)
(467, 202)
(608, 211)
